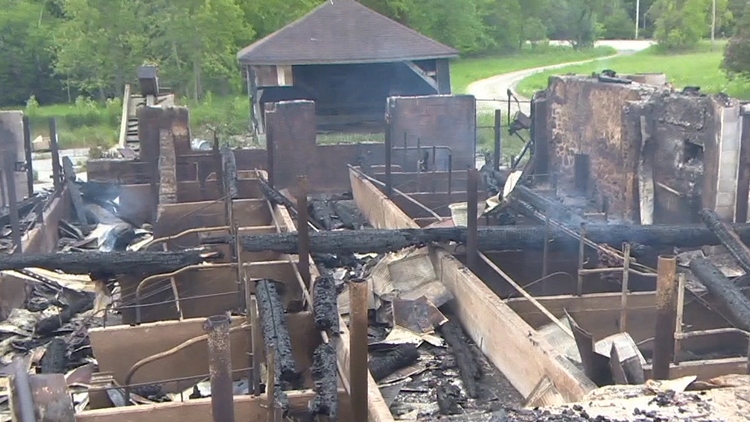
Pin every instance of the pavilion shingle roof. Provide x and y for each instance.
(343, 31)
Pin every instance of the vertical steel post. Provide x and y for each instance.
(358, 372)
(388, 156)
(450, 176)
(471, 218)
(220, 368)
(24, 397)
(666, 289)
(303, 232)
(581, 257)
(55, 151)
(9, 158)
(625, 282)
(545, 253)
(678, 321)
(269, 156)
(27, 148)
(498, 153)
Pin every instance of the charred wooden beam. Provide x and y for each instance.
(400, 357)
(229, 171)
(325, 305)
(108, 263)
(323, 370)
(275, 330)
(730, 296)
(468, 368)
(728, 238)
(490, 239)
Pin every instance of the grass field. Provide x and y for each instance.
(466, 71)
(697, 68)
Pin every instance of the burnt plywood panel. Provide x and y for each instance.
(441, 120)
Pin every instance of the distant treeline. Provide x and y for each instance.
(57, 50)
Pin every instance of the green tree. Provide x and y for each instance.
(26, 31)
(101, 42)
(575, 21)
(737, 53)
(680, 24)
(197, 43)
(616, 22)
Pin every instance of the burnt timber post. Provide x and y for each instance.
(388, 156)
(472, 240)
(498, 153)
(303, 232)
(29, 159)
(666, 308)
(9, 163)
(220, 368)
(358, 369)
(54, 150)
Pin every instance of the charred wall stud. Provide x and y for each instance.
(303, 231)
(666, 308)
(358, 372)
(471, 219)
(220, 368)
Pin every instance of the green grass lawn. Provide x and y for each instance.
(466, 71)
(697, 68)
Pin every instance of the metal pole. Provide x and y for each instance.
(472, 239)
(545, 253)
(625, 282)
(637, 16)
(581, 256)
(666, 289)
(388, 152)
(54, 150)
(10, 187)
(256, 342)
(23, 393)
(678, 322)
(450, 176)
(269, 156)
(303, 232)
(271, 382)
(358, 372)
(220, 368)
(498, 139)
(713, 25)
(28, 150)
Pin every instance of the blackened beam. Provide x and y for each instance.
(727, 237)
(229, 171)
(108, 263)
(721, 288)
(489, 238)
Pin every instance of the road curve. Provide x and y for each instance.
(488, 91)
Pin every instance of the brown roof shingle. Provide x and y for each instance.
(342, 31)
